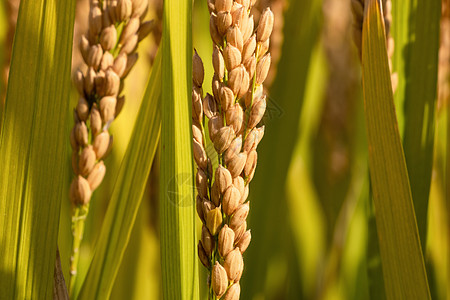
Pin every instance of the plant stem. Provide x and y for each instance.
(78, 220)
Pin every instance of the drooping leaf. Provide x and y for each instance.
(127, 194)
(33, 140)
(401, 254)
(179, 262)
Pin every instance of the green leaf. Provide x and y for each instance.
(177, 203)
(401, 255)
(269, 246)
(420, 104)
(32, 148)
(127, 194)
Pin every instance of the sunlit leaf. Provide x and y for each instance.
(32, 148)
(179, 262)
(401, 254)
(127, 194)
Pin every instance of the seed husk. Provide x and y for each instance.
(233, 292)
(214, 220)
(199, 208)
(207, 241)
(107, 61)
(232, 57)
(245, 194)
(225, 241)
(223, 5)
(250, 165)
(234, 149)
(215, 194)
(207, 207)
(89, 81)
(219, 279)
(95, 56)
(257, 113)
(84, 48)
(244, 83)
(201, 182)
(101, 144)
(250, 66)
(120, 63)
(198, 72)
(130, 44)
(129, 30)
(249, 48)
(239, 183)
(215, 35)
(199, 154)
(108, 37)
(223, 179)
(96, 120)
(230, 200)
(234, 37)
(108, 108)
(81, 133)
(218, 62)
(236, 164)
(95, 20)
(239, 216)
(214, 124)
(249, 30)
(244, 241)
(223, 22)
(197, 132)
(234, 265)
(235, 78)
(111, 83)
(82, 109)
(265, 25)
(124, 10)
(226, 97)
(87, 160)
(96, 176)
(262, 69)
(209, 106)
(223, 139)
(202, 255)
(235, 117)
(80, 192)
(239, 232)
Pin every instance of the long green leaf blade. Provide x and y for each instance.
(177, 209)
(127, 194)
(420, 106)
(401, 254)
(32, 148)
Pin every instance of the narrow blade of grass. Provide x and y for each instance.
(127, 194)
(420, 105)
(179, 261)
(32, 148)
(401, 254)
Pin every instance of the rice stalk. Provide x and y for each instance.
(109, 51)
(241, 63)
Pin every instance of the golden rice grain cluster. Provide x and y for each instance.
(233, 112)
(109, 51)
(358, 18)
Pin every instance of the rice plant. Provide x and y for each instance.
(175, 194)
